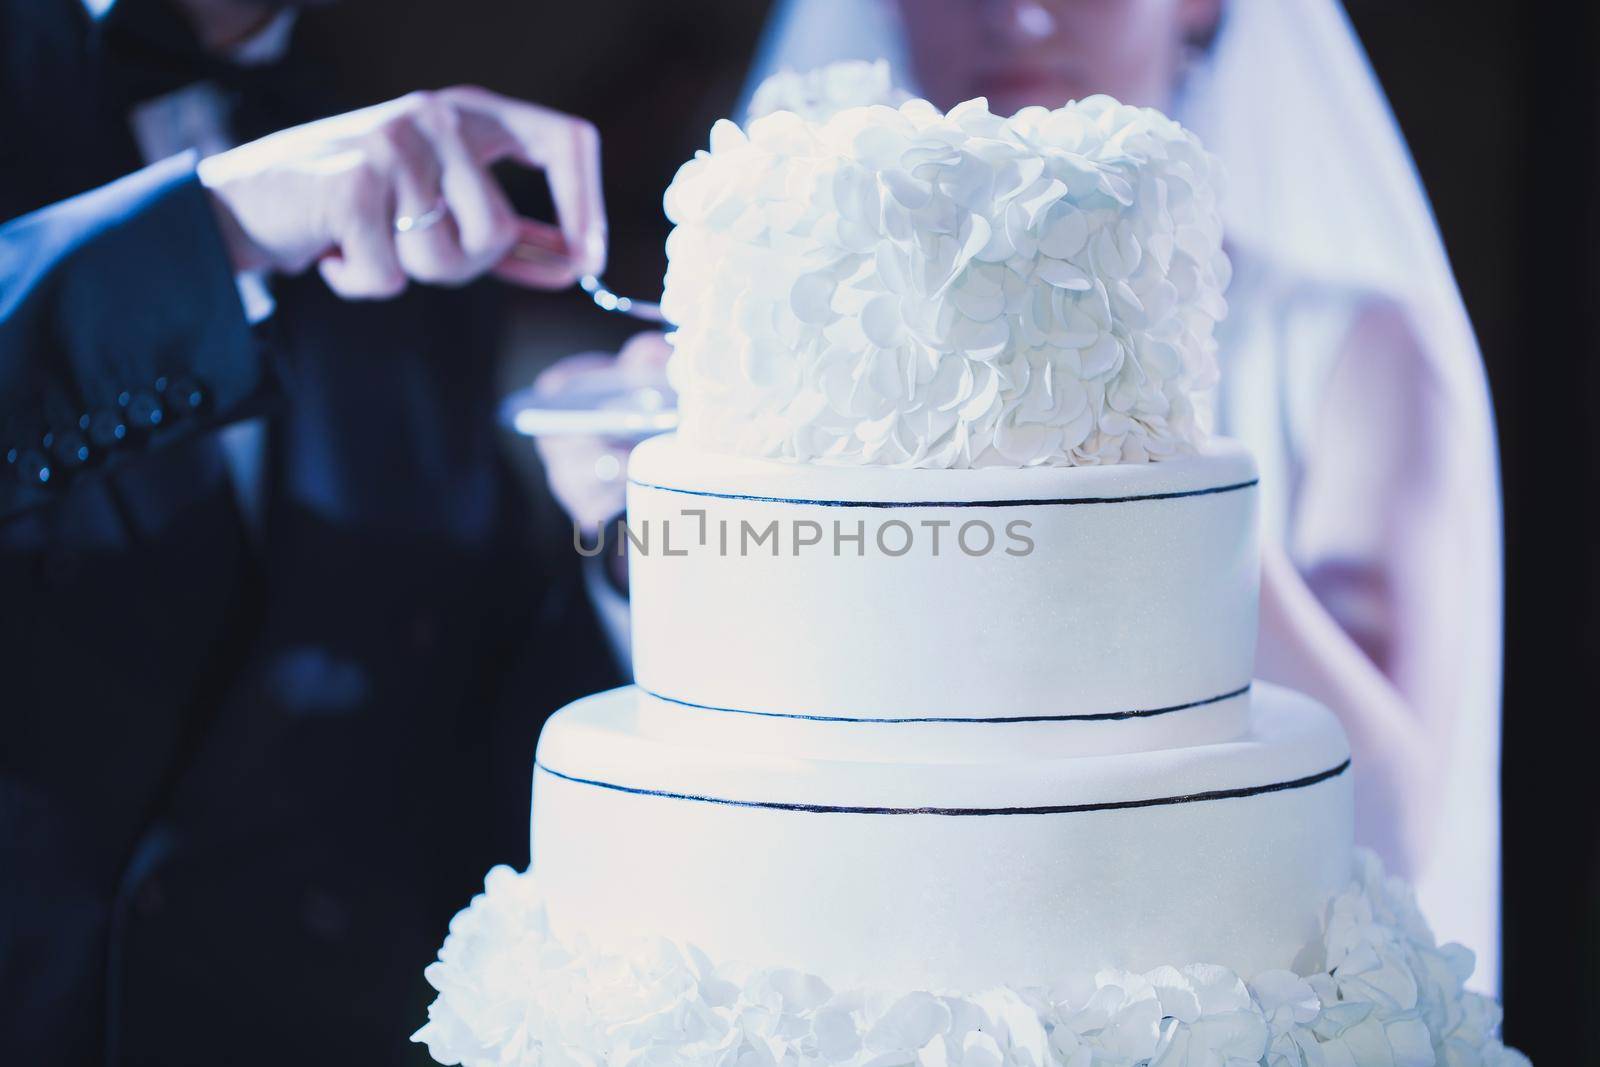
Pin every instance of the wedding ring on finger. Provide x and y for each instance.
(417, 223)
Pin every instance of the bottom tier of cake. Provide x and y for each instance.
(957, 877)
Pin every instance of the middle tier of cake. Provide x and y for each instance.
(1075, 610)
(910, 874)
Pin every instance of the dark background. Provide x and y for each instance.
(1499, 102)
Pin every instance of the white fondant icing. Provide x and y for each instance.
(927, 900)
(940, 740)
(908, 288)
(1116, 607)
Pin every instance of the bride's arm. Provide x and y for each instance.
(1390, 619)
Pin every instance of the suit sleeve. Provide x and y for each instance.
(121, 329)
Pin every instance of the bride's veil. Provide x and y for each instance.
(1320, 185)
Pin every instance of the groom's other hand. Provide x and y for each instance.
(588, 475)
(403, 190)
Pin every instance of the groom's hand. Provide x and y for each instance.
(588, 475)
(403, 190)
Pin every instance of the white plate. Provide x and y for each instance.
(621, 410)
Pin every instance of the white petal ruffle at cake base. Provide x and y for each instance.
(1371, 988)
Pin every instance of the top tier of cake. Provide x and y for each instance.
(904, 287)
(1025, 305)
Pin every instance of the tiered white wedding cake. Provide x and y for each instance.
(944, 746)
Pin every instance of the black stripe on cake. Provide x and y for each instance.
(1047, 809)
(1100, 716)
(1019, 503)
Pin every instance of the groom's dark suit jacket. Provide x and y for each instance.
(247, 769)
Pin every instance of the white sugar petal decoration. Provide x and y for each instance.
(985, 394)
(1020, 442)
(982, 295)
(880, 321)
(1064, 275)
(909, 191)
(981, 341)
(1101, 357)
(811, 297)
(1065, 231)
(511, 994)
(1044, 195)
(975, 237)
(835, 227)
(1075, 329)
(909, 1024)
